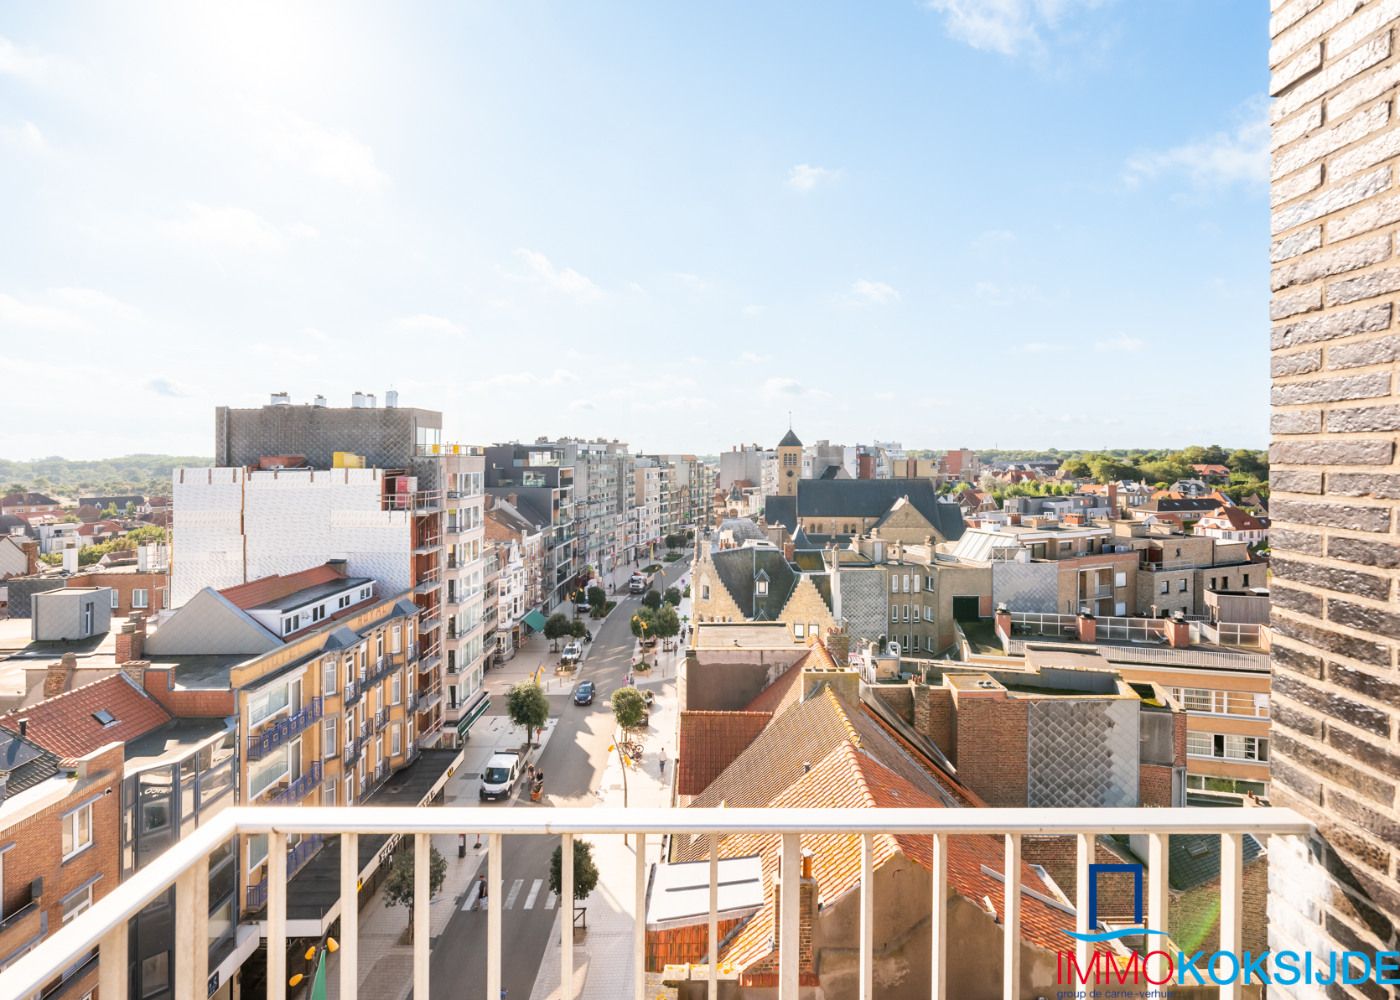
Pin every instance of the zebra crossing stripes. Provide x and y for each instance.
(513, 896)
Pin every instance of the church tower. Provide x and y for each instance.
(789, 464)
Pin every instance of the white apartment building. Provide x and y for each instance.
(464, 636)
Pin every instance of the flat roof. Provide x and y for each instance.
(313, 594)
(745, 635)
(681, 891)
(173, 741)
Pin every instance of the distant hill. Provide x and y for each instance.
(144, 474)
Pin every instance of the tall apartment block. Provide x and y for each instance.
(601, 501)
(295, 486)
(536, 481)
(1336, 487)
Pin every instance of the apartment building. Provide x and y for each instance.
(644, 530)
(535, 480)
(296, 485)
(520, 547)
(602, 474)
(743, 464)
(466, 634)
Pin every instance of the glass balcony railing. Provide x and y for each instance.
(949, 940)
(279, 732)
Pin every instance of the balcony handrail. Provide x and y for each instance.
(104, 923)
(283, 729)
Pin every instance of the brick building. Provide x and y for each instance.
(1335, 484)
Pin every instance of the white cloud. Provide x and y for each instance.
(31, 316)
(1009, 27)
(805, 178)
(752, 358)
(692, 281)
(1234, 156)
(753, 310)
(427, 323)
(782, 388)
(15, 61)
(325, 153)
(875, 292)
(167, 387)
(1121, 343)
(527, 379)
(90, 300)
(564, 280)
(231, 227)
(24, 137)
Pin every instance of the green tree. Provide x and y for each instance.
(585, 870)
(1075, 468)
(672, 596)
(644, 623)
(527, 706)
(556, 627)
(1244, 462)
(578, 628)
(651, 599)
(674, 541)
(629, 709)
(398, 887)
(668, 623)
(597, 597)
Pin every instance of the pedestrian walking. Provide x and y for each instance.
(662, 762)
(481, 892)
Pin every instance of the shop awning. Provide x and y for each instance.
(535, 621)
(473, 713)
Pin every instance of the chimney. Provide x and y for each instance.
(24, 726)
(131, 643)
(135, 670)
(31, 556)
(789, 550)
(339, 565)
(1088, 627)
(1013, 519)
(806, 908)
(838, 644)
(319, 401)
(391, 398)
(60, 676)
(70, 560)
(1112, 499)
(1003, 620)
(1178, 633)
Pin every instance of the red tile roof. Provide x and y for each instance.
(257, 593)
(67, 726)
(782, 693)
(709, 742)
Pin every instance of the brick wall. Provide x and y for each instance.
(933, 717)
(1335, 203)
(990, 734)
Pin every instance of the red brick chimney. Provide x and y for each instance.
(1113, 499)
(807, 909)
(1178, 633)
(789, 550)
(838, 643)
(1088, 627)
(131, 642)
(31, 557)
(136, 671)
(1003, 621)
(60, 676)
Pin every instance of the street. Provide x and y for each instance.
(573, 763)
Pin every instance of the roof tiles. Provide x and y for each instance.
(68, 724)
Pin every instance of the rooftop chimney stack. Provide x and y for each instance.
(357, 400)
(370, 401)
(391, 399)
(319, 401)
(70, 560)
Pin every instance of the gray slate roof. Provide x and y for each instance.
(739, 571)
(874, 498)
(24, 764)
(789, 440)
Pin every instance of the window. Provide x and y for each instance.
(761, 586)
(343, 601)
(268, 771)
(1212, 583)
(87, 619)
(328, 738)
(379, 648)
(396, 740)
(905, 583)
(917, 581)
(318, 612)
(328, 678)
(1245, 582)
(116, 600)
(267, 704)
(328, 794)
(290, 624)
(1181, 587)
(1224, 583)
(894, 612)
(798, 630)
(1120, 579)
(1227, 747)
(77, 902)
(1166, 587)
(396, 640)
(77, 831)
(704, 592)
(906, 612)
(894, 584)
(395, 684)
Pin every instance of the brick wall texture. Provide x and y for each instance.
(1335, 203)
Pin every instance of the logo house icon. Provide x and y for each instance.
(1095, 870)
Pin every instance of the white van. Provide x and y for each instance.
(499, 777)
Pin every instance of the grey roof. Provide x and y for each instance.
(341, 638)
(1175, 504)
(789, 440)
(739, 571)
(742, 528)
(312, 594)
(781, 510)
(1194, 859)
(831, 472)
(24, 764)
(115, 501)
(174, 741)
(874, 498)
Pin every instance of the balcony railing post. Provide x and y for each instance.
(639, 923)
(1231, 904)
(493, 915)
(867, 916)
(566, 929)
(349, 915)
(938, 919)
(422, 928)
(1084, 856)
(276, 916)
(790, 934)
(113, 964)
(1011, 921)
(1157, 895)
(712, 975)
(192, 931)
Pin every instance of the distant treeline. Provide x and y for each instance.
(144, 474)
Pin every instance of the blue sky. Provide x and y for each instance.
(1014, 223)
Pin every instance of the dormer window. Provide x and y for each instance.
(762, 588)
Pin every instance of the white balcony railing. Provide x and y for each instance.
(186, 867)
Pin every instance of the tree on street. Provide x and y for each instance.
(668, 623)
(597, 597)
(672, 596)
(674, 541)
(644, 624)
(527, 706)
(556, 627)
(585, 870)
(398, 887)
(651, 599)
(578, 628)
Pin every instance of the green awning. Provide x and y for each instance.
(476, 712)
(535, 620)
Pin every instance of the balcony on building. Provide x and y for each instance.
(279, 730)
(734, 921)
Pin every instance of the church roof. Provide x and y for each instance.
(789, 440)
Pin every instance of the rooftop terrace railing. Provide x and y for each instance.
(186, 867)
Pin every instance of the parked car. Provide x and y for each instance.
(500, 776)
(573, 652)
(583, 694)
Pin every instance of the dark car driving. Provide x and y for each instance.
(583, 694)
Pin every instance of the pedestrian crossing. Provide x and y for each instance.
(532, 896)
